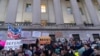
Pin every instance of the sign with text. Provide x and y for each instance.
(29, 41)
(12, 44)
(36, 34)
(44, 40)
(26, 34)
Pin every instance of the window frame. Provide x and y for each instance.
(44, 8)
(69, 11)
(27, 9)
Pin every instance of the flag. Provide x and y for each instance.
(14, 33)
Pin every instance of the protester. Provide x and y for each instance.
(96, 51)
(88, 50)
(59, 48)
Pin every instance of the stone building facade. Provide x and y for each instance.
(72, 18)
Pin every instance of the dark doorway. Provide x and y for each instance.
(52, 37)
(76, 37)
(96, 36)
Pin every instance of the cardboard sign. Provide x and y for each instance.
(44, 40)
(12, 44)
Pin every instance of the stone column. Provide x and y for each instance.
(58, 12)
(98, 2)
(51, 11)
(3, 6)
(76, 12)
(92, 12)
(36, 17)
(11, 11)
(19, 17)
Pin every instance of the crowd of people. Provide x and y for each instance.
(58, 48)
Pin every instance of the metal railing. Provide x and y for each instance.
(48, 24)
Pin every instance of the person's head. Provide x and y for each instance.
(10, 49)
(62, 52)
(35, 54)
(31, 48)
(54, 54)
(20, 54)
(49, 52)
(96, 48)
(34, 48)
(16, 50)
(10, 54)
(87, 46)
(42, 54)
(68, 47)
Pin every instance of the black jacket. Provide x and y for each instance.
(87, 52)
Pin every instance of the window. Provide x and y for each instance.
(69, 10)
(81, 11)
(28, 8)
(96, 36)
(99, 10)
(76, 37)
(43, 8)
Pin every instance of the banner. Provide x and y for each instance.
(26, 34)
(29, 41)
(44, 40)
(36, 34)
(12, 44)
(14, 33)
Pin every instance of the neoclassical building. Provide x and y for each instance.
(65, 18)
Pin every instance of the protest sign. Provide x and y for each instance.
(12, 44)
(36, 34)
(44, 40)
(26, 34)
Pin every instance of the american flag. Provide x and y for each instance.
(14, 33)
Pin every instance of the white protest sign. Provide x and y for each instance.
(26, 34)
(45, 34)
(12, 44)
(36, 34)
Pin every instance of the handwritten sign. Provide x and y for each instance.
(12, 44)
(44, 40)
